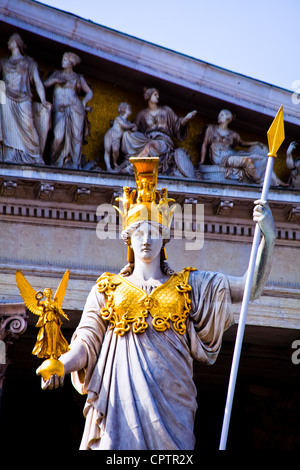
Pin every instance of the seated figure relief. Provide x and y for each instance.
(156, 130)
(157, 127)
(247, 165)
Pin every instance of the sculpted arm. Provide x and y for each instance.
(204, 146)
(52, 80)
(86, 341)
(289, 157)
(246, 143)
(40, 88)
(188, 117)
(87, 90)
(128, 125)
(263, 216)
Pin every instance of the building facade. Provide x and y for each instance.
(55, 218)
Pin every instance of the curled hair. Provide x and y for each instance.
(73, 58)
(163, 230)
(122, 108)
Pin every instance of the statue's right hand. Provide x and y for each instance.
(291, 147)
(53, 382)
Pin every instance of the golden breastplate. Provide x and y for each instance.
(128, 306)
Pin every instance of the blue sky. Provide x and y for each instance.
(257, 38)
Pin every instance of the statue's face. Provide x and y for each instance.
(224, 116)
(12, 44)
(146, 242)
(155, 97)
(65, 62)
(48, 293)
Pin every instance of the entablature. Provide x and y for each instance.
(70, 197)
(49, 223)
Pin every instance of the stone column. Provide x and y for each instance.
(13, 323)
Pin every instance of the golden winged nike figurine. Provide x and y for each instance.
(50, 341)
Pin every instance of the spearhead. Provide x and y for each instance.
(276, 133)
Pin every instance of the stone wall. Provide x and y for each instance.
(44, 233)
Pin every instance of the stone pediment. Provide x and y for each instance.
(118, 67)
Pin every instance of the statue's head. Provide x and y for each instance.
(70, 58)
(151, 93)
(124, 108)
(147, 219)
(15, 40)
(48, 293)
(146, 240)
(225, 116)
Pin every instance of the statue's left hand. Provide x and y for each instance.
(263, 216)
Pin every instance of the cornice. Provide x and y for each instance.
(187, 188)
(70, 199)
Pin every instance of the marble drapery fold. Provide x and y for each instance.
(245, 164)
(70, 119)
(140, 389)
(23, 124)
(157, 133)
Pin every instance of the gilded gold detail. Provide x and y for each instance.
(50, 342)
(145, 203)
(128, 306)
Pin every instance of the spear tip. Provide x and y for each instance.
(275, 133)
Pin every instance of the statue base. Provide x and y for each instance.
(50, 367)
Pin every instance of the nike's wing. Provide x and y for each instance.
(61, 290)
(28, 294)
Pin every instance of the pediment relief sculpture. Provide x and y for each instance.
(242, 160)
(70, 120)
(157, 128)
(27, 126)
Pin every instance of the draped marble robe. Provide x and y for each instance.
(22, 129)
(70, 122)
(158, 130)
(140, 389)
(245, 164)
